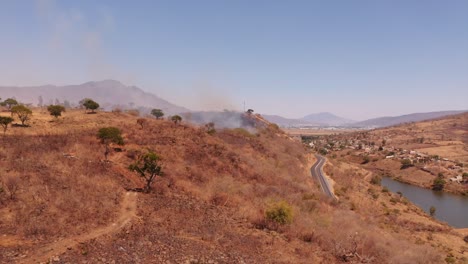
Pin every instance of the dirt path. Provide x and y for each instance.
(44, 253)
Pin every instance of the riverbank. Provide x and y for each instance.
(429, 186)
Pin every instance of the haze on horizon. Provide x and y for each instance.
(357, 59)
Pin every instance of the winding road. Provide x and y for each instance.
(317, 173)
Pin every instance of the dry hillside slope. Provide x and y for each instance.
(230, 196)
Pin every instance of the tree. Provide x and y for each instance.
(176, 119)
(438, 184)
(250, 111)
(109, 135)
(158, 113)
(22, 112)
(148, 167)
(55, 110)
(89, 104)
(9, 103)
(4, 122)
(432, 210)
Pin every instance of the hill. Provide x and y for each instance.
(319, 119)
(226, 196)
(395, 120)
(109, 94)
(326, 118)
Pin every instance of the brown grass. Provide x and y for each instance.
(209, 205)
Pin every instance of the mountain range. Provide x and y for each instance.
(111, 94)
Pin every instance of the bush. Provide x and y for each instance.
(55, 110)
(438, 184)
(406, 163)
(432, 210)
(280, 213)
(376, 180)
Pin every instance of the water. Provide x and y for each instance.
(450, 208)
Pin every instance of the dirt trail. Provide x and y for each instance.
(44, 253)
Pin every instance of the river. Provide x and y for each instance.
(450, 208)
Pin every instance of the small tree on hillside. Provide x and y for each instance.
(4, 122)
(23, 113)
(148, 167)
(55, 110)
(109, 135)
(89, 104)
(176, 119)
(158, 113)
(9, 103)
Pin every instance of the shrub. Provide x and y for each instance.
(366, 160)
(109, 135)
(376, 180)
(280, 213)
(432, 210)
(55, 110)
(438, 184)
(176, 119)
(385, 189)
(406, 163)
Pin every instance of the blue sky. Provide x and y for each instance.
(358, 59)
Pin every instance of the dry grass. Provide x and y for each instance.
(209, 205)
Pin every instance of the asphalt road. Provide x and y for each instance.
(317, 173)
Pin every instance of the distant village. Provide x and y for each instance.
(372, 151)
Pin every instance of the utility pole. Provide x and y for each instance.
(244, 105)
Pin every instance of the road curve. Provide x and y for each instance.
(317, 173)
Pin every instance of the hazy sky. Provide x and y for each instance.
(358, 59)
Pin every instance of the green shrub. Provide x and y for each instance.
(280, 213)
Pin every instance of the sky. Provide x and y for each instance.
(358, 59)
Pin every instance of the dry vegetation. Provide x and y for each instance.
(210, 205)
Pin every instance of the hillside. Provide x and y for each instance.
(395, 120)
(62, 202)
(108, 93)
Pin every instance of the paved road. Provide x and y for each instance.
(317, 172)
